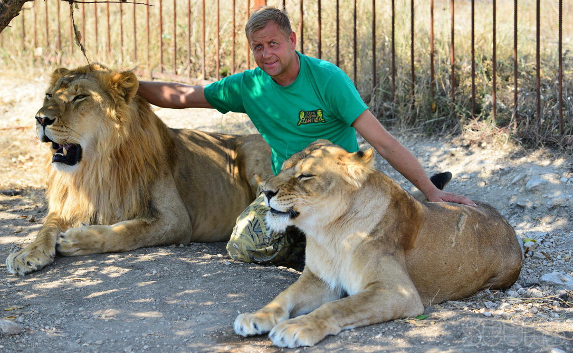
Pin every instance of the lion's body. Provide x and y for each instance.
(120, 179)
(371, 240)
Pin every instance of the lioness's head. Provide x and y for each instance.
(79, 106)
(319, 179)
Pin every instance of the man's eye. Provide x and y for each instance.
(257, 47)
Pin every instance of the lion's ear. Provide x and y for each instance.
(359, 166)
(57, 74)
(126, 84)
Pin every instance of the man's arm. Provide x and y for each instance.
(401, 159)
(173, 95)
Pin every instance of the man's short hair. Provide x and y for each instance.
(260, 18)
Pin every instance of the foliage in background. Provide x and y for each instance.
(33, 40)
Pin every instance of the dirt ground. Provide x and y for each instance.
(185, 298)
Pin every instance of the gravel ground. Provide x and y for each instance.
(185, 299)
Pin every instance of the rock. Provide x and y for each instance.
(558, 279)
(8, 327)
(512, 294)
(534, 183)
(563, 180)
(517, 178)
(557, 350)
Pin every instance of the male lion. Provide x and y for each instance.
(373, 252)
(120, 179)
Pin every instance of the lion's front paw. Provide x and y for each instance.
(30, 259)
(298, 332)
(249, 324)
(80, 241)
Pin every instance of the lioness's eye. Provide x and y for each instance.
(48, 95)
(305, 176)
(79, 97)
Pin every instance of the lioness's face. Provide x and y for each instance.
(78, 107)
(316, 180)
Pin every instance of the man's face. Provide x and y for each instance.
(275, 53)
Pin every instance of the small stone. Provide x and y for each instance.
(557, 350)
(8, 327)
(534, 183)
(533, 310)
(512, 294)
(487, 313)
(563, 180)
(558, 279)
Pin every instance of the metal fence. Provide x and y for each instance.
(371, 40)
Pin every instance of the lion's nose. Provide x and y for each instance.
(270, 194)
(44, 121)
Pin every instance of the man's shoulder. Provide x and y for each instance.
(320, 65)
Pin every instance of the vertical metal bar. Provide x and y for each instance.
(301, 26)
(248, 46)
(412, 68)
(95, 27)
(234, 38)
(452, 51)
(560, 79)
(432, 56)
(394, 51)
(473, 54)
(174, 37)
(218, 44)
(494, 65)
(58, 34)
(373, 44)
(515, 103)
(161, 36)
(23, 39)
(318, 30)
(121, 31)
(84, 34)
(355, 44)
(203, 40)
(35, 26)
(108, 34)
(189, 38)
(337, 32)
(147, 39)
(134, 32)
(72, 43)
(538, 59)
(46, 25)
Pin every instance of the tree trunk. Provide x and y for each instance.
(8, 10)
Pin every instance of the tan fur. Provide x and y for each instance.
(370, 240)
(138, 183)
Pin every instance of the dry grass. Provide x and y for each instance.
(36, 46)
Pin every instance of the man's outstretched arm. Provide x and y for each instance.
(173, 95)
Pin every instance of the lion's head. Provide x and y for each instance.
(106, 144)
(80, 107)
(320, 177)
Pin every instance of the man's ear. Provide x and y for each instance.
(292, 40)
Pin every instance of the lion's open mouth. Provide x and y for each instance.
(69, 153)
(290, 213)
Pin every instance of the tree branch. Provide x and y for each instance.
(8, 10)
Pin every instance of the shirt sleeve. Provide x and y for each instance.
(343, 98)
(225, 95)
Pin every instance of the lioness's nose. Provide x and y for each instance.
(269, 194)
(44, 121)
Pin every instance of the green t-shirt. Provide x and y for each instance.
(321, 103)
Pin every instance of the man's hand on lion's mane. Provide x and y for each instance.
(444, 196)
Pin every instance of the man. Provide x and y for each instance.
(293, 100)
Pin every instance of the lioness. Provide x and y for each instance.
(120, 179)
(373, 252)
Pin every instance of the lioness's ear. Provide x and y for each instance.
(359, 166)
(57, 74)
(126, 84)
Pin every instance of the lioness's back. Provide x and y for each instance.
(475, 249)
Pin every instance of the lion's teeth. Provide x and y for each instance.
(65, 151)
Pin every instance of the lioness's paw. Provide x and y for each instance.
(249, 324)
(29, 259)
(79, 241)
(298, 332)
